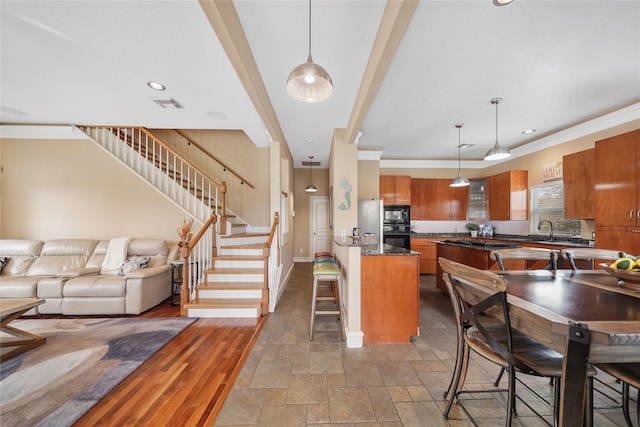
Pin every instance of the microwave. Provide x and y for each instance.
(397, 215)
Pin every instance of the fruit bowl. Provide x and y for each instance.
(628, 276)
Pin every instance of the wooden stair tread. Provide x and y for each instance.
(248, 235)
(230, 285)
(247, 246)
(239, 258)
(200, 303)
(236, 271)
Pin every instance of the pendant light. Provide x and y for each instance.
(459, 181)
(311, 188)
(309, 82)
(497, 152)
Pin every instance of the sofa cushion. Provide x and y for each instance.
(21, 253)
(157, 249)
(62, 255)
(95, 285)
(97, 257)
(19, 286)
(134, 263)
(51, 287)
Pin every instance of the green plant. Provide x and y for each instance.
(472, 226)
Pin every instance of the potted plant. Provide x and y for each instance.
(473, 228)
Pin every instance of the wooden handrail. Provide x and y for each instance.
(214, 158)
(186, 247)
(274, 227)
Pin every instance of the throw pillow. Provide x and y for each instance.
(134, 263)
(3, 261)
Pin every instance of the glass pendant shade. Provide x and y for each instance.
(309, 82)
(459, 181)
(497, 152)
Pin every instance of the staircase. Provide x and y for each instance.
(240, 277)
(234, 286)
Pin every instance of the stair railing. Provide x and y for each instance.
(273, 267)
(164, 169)
(195, 268)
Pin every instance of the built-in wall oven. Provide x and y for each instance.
(397, 226)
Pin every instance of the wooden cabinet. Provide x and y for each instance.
(434, 199)
(617, 173)
(507, 196)
(395, 190)
(390, 298)
(579, 189)
(617, 193)
(423, 192)
(427, 249)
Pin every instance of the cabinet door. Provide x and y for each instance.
(403, 190)
(395, 190)
(498, 191)
(423, 193)
(578, 179)
(616, 177)
(508, 197)
(459, 203)
(388, 189)
(626, 239)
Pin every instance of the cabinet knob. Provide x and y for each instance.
(631, 215)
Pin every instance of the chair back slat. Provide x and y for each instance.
(589, 254)
(533, 254)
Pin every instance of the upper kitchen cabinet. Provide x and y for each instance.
(423, 193)
(617, 178)
(395, 190)
(434, 199)
(507, 194)
(477, 205)
(579, 189)
(451, 202)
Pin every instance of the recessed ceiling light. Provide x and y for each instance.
(217, 115)
(308, 140)
(155, 85)
(528, 131)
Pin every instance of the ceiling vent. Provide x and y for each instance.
(308, 163)
(168, 103)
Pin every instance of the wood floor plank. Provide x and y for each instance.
(186, 382)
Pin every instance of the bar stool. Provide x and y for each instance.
(326, 272)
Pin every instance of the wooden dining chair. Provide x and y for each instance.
(495, 340)
(629, 375)
(526, 254)
(590, 254)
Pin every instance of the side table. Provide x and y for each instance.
(176, 279)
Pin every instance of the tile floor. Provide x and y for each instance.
(289, 381)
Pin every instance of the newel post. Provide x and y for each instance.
(184, 232)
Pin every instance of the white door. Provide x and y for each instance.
(320, 232)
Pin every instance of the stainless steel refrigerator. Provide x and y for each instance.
(370, 218)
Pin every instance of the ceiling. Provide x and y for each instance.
(404, 73)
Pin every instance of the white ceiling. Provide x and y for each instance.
(554, 63)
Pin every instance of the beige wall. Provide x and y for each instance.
(343, 174)
(72, 189)
(368, 179)
(238, 154)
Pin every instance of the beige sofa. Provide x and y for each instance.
(66, 273)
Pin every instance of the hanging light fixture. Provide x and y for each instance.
(309, 82)
(497, 152)
(311, 188)
(459, 181)
(501, 2)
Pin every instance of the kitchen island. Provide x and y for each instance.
(472, 252)
(390, 294)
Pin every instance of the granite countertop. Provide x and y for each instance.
(557, 241)
(371, 247)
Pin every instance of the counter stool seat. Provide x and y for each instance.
(326, 272)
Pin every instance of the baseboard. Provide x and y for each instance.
(355, 339)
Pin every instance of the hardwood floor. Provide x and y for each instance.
(186, 382)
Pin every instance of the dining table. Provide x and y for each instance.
(587, 315)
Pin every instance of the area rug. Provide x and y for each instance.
(82, 360)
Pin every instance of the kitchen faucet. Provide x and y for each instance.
(550, 225)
